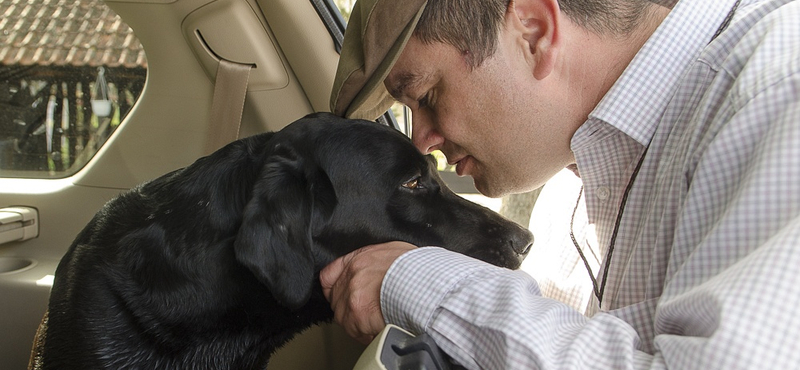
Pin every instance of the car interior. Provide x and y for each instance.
(97, 96)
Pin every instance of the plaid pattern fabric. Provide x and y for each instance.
(704, 274)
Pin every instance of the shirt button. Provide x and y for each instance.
(602, 193)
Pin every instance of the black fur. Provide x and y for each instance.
(216, 265)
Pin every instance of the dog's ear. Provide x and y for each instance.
(289, 199)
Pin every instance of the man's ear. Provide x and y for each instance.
(275, 239)
(537, 23)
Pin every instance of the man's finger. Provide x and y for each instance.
(329, 275)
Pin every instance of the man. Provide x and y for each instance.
(683, 121)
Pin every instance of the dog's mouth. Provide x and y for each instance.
(500, 259)
(510, 256)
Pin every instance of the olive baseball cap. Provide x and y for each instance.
(377, 32)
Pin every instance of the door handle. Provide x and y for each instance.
(18, 224)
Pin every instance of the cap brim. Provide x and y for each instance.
(376, 35)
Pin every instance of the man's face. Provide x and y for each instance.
(496, 122)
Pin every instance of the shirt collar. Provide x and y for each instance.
(635, 102)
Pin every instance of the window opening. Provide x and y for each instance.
(69, 73)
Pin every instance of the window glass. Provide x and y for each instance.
(69, 73)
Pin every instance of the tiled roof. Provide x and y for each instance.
(66, 32)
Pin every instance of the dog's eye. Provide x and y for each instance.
(413, 184)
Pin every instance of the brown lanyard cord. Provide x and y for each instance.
(599, 291)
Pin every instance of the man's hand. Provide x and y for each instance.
(352, 284)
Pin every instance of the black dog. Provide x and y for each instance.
(216, 265)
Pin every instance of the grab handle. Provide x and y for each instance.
(18, 224)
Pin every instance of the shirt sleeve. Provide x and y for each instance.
(486, 317)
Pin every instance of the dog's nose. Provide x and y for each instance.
(525, 250)
(522, 241)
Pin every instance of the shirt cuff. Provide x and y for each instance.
(419, 280)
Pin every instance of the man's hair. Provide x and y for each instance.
(472, 26)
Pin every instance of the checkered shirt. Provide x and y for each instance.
(704, 273)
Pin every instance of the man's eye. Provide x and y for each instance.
(413, 184)
(423, 102)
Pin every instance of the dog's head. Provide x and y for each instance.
(329, 186)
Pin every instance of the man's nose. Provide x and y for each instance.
(423, 133)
